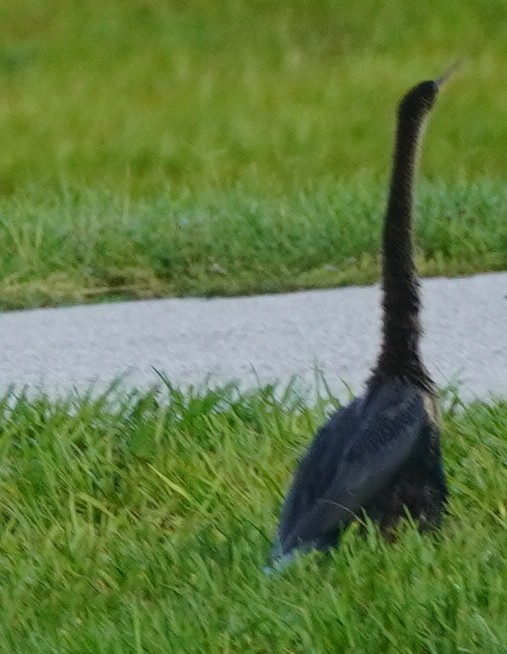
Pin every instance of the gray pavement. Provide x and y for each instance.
(252, 339)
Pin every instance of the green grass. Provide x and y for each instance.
(148, 146)
(71, 247)
(140, 523)
(140, 94)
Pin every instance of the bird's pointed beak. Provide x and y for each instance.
(456, 65)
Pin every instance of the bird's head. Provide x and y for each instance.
(419, 100)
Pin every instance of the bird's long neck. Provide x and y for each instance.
(400, 353)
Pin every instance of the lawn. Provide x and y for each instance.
(141, 523)
(67, 248)
(158, 148)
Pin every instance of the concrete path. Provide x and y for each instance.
(256, 338)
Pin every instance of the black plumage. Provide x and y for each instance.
(379, 456)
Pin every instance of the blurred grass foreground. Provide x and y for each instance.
(148, 148)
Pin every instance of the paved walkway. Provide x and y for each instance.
(256, 338)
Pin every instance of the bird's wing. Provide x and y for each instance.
(392, 425)
(317, 468)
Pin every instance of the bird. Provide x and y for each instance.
(380, 456)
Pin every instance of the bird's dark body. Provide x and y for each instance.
(379, 456)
